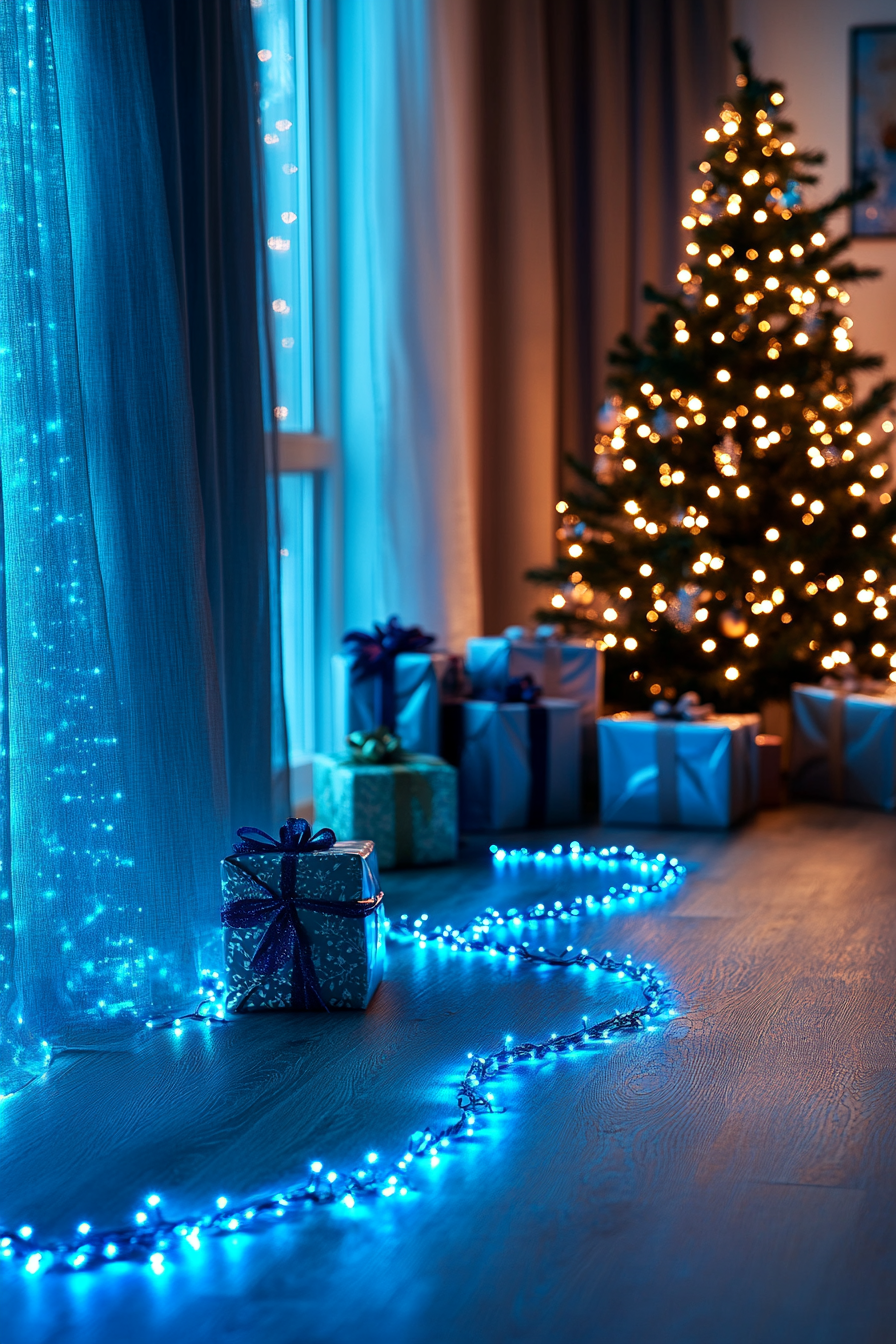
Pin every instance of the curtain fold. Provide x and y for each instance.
(409, 525)
(511, 173)
(115, 809)
(633, 84)
(590, 114)
(199, 53)
(517, 296)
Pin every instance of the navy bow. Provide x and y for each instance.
(295, 838)
(687, 708)
(285, 938)
(374, 652)
(521, 690)
(374, 656)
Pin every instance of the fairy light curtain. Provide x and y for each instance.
(113, 780)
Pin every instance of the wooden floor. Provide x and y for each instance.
(729, 1178)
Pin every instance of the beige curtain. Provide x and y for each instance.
(634, 83)
(565, 134)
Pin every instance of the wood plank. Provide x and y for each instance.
(728, 1177)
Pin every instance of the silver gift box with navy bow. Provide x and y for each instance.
(667, 772)
(344, 956)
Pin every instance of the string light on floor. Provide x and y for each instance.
(649, 876)
(151, 1237)
(210, 1008)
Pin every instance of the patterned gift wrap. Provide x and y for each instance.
(409, 809)
(348, 954)
(659, 772)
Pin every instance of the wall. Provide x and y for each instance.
(805, 43)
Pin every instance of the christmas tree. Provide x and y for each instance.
(737, 533)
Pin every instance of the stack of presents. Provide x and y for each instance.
(511, 737)
(514, 737)
(435, 744)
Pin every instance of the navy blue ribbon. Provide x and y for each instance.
(375, 657)
(539, 741)
(521, 690)
(285, 938)
(453, 736)
(295, 838)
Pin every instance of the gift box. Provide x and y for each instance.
(519, 763)
(389, 678)
(844, 746)
(304, 926)
(667, 772)
(768, 753)
(409, 808)
(570, 669)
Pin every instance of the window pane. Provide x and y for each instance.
(281, 34)
(300, 498)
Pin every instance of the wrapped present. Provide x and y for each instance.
(844, 745)
(304, 926)
(519, 762)
(389, 679)
(454, 679)
(408, 806)
(687, 707)
(677, 771)
(768, 754)
(568, 669)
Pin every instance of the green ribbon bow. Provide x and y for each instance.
(379, 747)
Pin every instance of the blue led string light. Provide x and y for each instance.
(655, 876)
(210, 1008)
(152, 1236)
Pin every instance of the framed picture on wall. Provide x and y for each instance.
(873, 58)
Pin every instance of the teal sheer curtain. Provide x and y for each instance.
(202, 66)
(113, 774)
(406, 391)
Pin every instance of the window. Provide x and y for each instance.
(281, 29)
(295, 87)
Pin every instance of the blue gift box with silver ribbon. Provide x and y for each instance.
(667, 772)
(844, 746)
